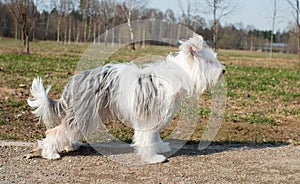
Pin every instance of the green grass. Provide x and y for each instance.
(3, 122)
(262, 80)
(252, 117)
(204, 112)
(254, 86)
(9, 137)
(124, 134)
(241, 54)
(263, 94)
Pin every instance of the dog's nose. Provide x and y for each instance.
(223, 71)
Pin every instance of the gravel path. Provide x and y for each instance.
(217, 164)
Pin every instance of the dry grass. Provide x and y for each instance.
(263, 94)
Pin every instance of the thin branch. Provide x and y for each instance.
(295, 8)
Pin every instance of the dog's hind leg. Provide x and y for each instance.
(52, 144)
(146, 144)
(59, 139)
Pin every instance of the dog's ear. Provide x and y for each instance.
(197, 41)
(193, 45)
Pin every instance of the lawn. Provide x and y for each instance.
(263, 94)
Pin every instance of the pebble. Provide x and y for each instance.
(18, 116)
(22, 85)
(28, 156)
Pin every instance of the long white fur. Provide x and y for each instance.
(42, 103)
(147, 97)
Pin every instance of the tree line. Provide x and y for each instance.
(84, 20)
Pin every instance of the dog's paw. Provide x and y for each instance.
(70, 148)
(164, 147)
(50, 156)
(156, 159)
(75, 146)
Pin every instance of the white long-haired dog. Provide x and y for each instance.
(146, 96)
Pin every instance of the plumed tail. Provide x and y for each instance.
(45, 108)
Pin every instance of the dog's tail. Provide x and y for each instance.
(46, 108)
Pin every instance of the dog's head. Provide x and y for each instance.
(203, 65)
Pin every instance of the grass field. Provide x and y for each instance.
(263, 94)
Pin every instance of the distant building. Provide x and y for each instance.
(277, 47)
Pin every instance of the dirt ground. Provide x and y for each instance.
(231, 163)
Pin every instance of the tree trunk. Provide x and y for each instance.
(214, 28)
(273, 26)
(70, 29)
(271, 46)
(58, 28)
(84, 30)
(105, 39)
(85, 20)
(47, 27)
(188, 19)
(251, 46)
(77, 32)
(171, 34)
(113, 37)
(27, 44)
(144, 36)
(99, 32)
(178, 34)
(25, 38)
(65, 31)
(90, 29)
(94, 32)
(299, 43)
(132, 46)
(298, 25)
(16, 29)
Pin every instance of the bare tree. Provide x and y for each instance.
(94, 14)
(169, 16)
(127, 8)
(23, 11)
(90, 10)
(107, 9)
(186, 14)
(219, 9)
(295, 6)
(84, 8)
(58, 27)
(191, 8)
(275, 15)
(67, 6)
(59, 8)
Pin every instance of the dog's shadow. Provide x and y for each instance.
(188, 149)
(193, 149)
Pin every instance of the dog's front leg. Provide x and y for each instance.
(147, 146)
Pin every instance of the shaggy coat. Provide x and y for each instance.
(145, 96)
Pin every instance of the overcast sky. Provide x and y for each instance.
(250, 12)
